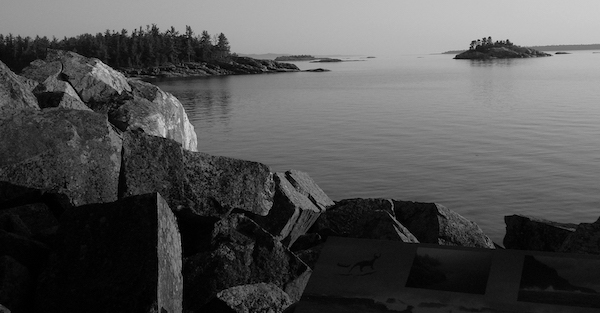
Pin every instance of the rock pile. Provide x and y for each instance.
(105, 205)
(530, 233)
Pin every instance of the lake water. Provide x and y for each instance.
(486, 139)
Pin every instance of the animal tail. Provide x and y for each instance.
(343, 265)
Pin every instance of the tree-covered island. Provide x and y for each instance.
(486, 48)
(144, 52)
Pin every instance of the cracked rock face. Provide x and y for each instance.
(15, 95)
(73, 152)
(197, 182)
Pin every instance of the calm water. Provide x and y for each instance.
(485, 139)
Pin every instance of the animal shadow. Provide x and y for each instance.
(361, 265)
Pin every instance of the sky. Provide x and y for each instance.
(324, 27)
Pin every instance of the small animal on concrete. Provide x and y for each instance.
(362, 264)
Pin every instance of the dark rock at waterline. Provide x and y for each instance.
(363, 218)
(530, 233)
(123, 256)
(15, 95)
(194, 181)
(562, 52)
(434, 223)
(585, 239)
(318, 70)
(508, 52)
(73, 152)
(241, 253)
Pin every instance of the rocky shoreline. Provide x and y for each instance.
(237, 66)
(506, 52)
(106, 205)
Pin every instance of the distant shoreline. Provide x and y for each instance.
(546, 48)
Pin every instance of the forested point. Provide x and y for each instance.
(143, 48)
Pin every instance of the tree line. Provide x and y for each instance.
(143, 47)
(486, 43)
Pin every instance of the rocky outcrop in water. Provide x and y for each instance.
(236, 66)
(530, 233)
(106, 206)
(507, 52)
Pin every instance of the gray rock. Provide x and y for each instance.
(72, 152)
(241, 253)
(297, 204)
(530, 233)
(157, 112)
(203, 184)
(16, 285)
(254, 298)
(364, 218)
(93, 80)
(434, 223)
(123, 256)
(15, 95)
(4, 309)
(585, 239)
(55, 93)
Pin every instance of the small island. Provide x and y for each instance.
(301, 57)
(486, 48)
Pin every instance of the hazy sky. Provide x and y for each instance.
(381, 27)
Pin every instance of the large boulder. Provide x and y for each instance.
(123, 256)
(198, 182)
(15, 95)
(254, 298)
(94, 81)
(72, 152)
(530, 233)
(241, 253)
(364, 218)
(434, 223)
(585, 239)
(297, 204)
(157, 112)
(67, 79)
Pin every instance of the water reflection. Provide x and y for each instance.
(492, 82)
(206, 101)
(492, 62)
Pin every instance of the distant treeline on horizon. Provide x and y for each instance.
(548, 48)
(142, 48)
